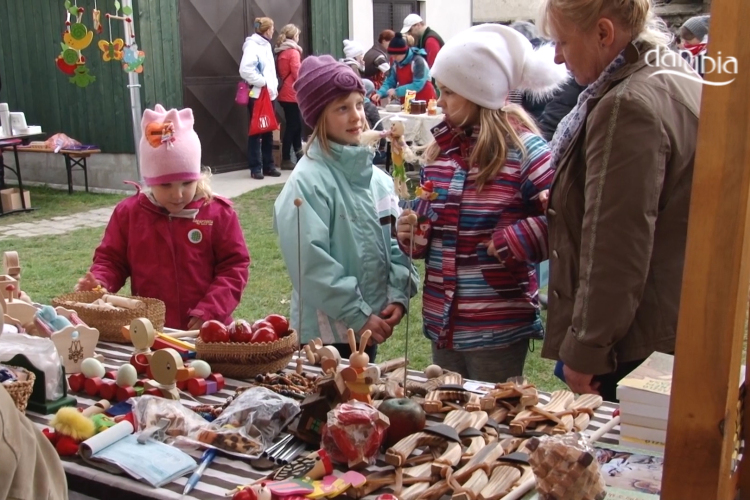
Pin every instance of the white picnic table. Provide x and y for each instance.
(418, 128)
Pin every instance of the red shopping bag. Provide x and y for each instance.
(264, 116)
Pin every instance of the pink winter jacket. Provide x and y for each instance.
(198, 267)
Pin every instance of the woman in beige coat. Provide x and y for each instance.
(31, 469)
(618, 207)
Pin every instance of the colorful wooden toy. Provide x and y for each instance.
(358, 377)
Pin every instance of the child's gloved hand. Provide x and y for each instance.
(87, 283)
(404, 224)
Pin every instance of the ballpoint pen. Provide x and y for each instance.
(206, 459)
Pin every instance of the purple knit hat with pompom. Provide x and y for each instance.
(321, 81)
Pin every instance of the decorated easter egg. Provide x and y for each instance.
(126, 376)
(92, 368)
(202, 369)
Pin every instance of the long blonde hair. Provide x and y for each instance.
(635, 15)
(288, 32)
(320, 131)
(263, 24)
(499, 130)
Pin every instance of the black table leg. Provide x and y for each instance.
(18, 175)
(69, 169)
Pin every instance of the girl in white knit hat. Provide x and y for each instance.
(354, 56)
(487, 166)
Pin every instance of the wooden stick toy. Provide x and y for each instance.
(298, 204)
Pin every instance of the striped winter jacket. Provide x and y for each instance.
(471, 300)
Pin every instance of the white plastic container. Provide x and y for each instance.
(7, 129)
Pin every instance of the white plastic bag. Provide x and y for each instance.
(42, 354)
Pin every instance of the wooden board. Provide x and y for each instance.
(698, 459)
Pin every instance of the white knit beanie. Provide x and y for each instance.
(353, 49)
(484, 63)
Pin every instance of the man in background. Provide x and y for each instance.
(426, 38)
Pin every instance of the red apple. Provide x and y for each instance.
(240, 331)
(261, 323)
(214, 331)
(406, 416)
(280, 324)
(264, 334)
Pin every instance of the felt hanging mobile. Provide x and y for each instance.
(112, 49)
(97, 16)
(132, 57)
(76, 38)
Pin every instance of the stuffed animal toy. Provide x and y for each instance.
(70, 429)
(49, 316)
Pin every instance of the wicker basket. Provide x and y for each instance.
(110, 323)
(245, 360)
(20, 392)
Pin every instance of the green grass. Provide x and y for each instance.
(52, 265)
(50, 203)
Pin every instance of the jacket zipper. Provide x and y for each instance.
(174, 263)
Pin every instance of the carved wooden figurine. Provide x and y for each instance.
(142, 335)
(326, 356)
(357, 376)
(167, 369)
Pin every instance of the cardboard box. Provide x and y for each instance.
(11, 199)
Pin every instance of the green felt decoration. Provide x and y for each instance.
(73, 11)
(78, 31)
(117, 6)
(70, 56)
(127, 10)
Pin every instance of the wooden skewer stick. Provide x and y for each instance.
(413, 220)
(298, 204)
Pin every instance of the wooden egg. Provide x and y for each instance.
(91, 368)
(127, 376)
(202, 369)
(433, 371)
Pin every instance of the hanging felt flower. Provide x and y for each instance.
(133, 59)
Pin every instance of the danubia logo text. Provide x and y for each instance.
(725, 68)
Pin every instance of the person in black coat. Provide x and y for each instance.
(562, 102)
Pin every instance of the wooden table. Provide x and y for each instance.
(73, 158)
(224, 473)
(13, 142)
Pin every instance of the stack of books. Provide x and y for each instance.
(644, 403)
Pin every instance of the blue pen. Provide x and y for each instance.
(206, 459)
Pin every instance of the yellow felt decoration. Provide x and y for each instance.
(70, 422)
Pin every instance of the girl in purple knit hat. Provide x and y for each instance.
(353, 274)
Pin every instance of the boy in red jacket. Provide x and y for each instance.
(177, 241)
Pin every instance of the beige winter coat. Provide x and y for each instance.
(29, 466)
(618, 218)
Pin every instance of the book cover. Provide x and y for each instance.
(643, 433)
(641, 421)
(644, 410)
(641, 444)
(653, 376)
(118, 450)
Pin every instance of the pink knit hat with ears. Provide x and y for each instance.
(170, 150)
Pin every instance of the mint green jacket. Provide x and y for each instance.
(352, 266)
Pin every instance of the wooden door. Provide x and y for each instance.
(212, 33)
(390, 14)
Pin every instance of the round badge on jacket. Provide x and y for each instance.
(195, 236)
